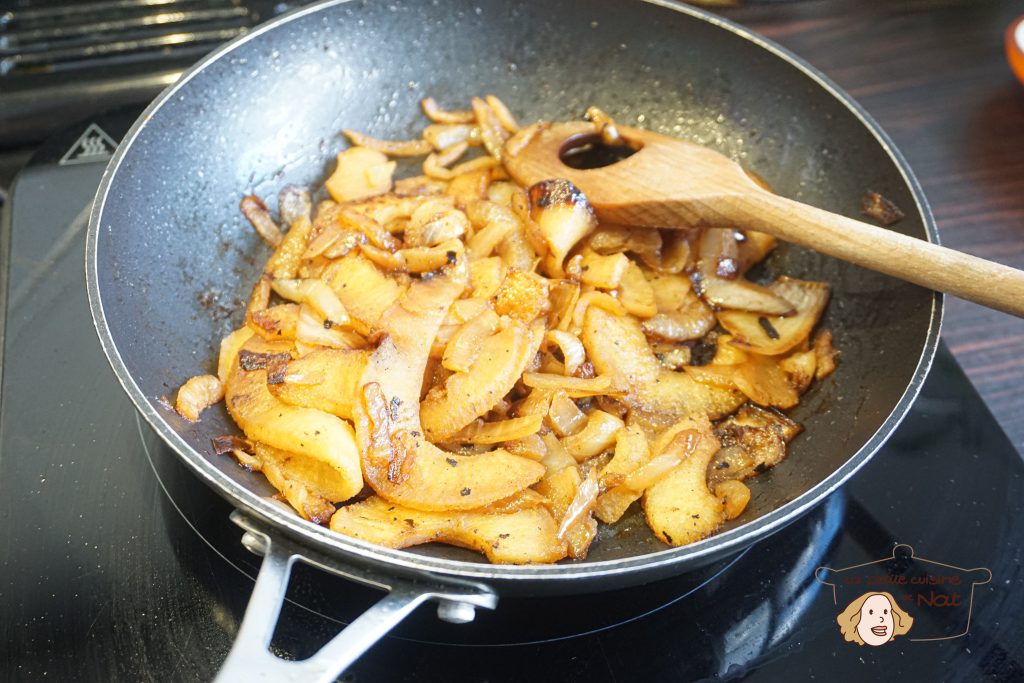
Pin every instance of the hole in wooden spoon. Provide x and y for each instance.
(589, 151)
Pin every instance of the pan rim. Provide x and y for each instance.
(325, 540)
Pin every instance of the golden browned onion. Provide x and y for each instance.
(259, 216)
(772, 335)
(564, 217)
(198, 394)
(396, 148)
(617, 348)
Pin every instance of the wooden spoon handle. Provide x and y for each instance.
(923, 263)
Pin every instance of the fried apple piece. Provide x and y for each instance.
(680, 509)
(303, 431)
(398, 461)
(525, 536)
(304, 482)
(360, 173)
(617, 348)
(522, 295)
(774, 335)
(363, 289)
(763, 381)
(276, 322)
(753, 441)
(826, 354)
(468, 395)
(324, 379)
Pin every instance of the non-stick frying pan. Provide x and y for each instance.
(170, 259)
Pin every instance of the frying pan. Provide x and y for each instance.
(170, 260)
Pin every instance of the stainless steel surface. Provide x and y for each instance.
(251, 659)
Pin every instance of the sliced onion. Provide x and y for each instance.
(374, 231)
(776, 334)
(259, 216)
(198, 394)
(317, 294)
(682, 445)
(572, 349)
(565, 416)
(434, 112)
(311, 330)
(740, 294)
(396, 148)
(464, 346)
(556, 458)
(446, 136)
(229, 348)
(575, 387)
(294, 202)
(582, 504)
(597, 436)
(491, 132)
(504, 430)
(502, 113)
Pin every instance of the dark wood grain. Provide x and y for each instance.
(935, 76)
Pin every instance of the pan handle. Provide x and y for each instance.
(250, 658)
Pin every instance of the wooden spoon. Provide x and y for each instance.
(671, 183)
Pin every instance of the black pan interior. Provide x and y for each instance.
(176, 259)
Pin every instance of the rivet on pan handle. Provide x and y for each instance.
(250, 658)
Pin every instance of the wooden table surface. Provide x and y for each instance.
(934, 75)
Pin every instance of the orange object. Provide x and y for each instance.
(1015, 47)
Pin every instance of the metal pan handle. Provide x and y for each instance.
(250, 658)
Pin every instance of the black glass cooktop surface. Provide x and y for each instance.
(117, 564)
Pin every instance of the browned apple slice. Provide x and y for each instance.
(325, 379)
(302, 431)
(398, 460)
(468, 395)
(525, 536)
(680, 509)
(773, 335)
(617, 347)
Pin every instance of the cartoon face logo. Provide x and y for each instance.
(874, 619)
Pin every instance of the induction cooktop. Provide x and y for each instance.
(117, 564)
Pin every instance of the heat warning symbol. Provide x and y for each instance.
(91, 146)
